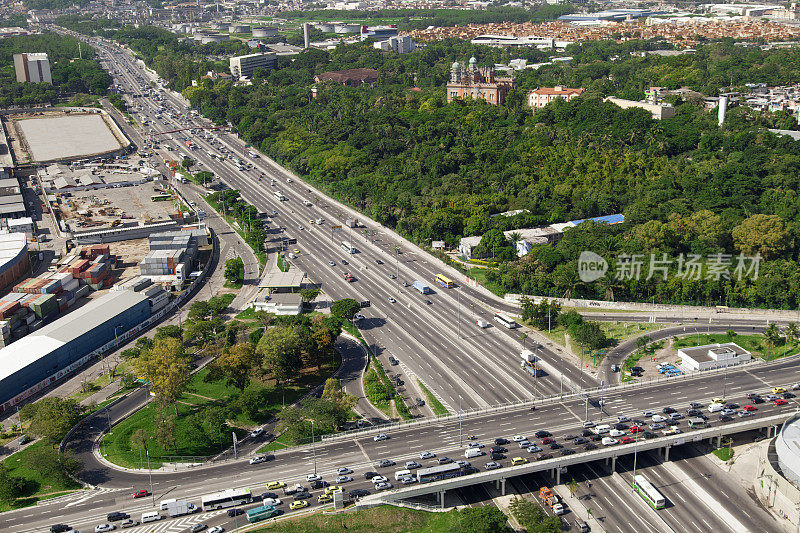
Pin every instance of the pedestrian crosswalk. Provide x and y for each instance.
(182, 523)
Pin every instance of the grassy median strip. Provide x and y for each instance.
(36, 465)
(436, 405)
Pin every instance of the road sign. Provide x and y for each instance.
(336, 228)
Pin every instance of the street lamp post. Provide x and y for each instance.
(313, 448)
(460, 439)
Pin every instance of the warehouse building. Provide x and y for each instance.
(45, 356)
(14, 261)
(34, 68)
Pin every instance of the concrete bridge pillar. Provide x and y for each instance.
(558, 476)
(666, 453)
(719, 441)
(441, 498)
(613, 464)
(503, 487)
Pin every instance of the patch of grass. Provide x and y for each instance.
(377, 387)
(232, 222)
(725, 454)
(755, 344)
(283, 264)
(38, 487)
(436, 405)
(479, 274)
(385, 518)
(233, 285)
(402, 408)
(281, 443)
(247, 314)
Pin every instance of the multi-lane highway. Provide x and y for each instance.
(438, 342)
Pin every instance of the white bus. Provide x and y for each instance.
(226, 498)
(647, 491)
(505, 320)
(279, 195)
(349, 248)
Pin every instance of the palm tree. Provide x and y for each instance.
(607, 284)
(573, 486)
(771, 334)
(792, 332)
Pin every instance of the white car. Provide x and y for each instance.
(313, 477)
(658, 418)
(608, 441)
(492, 465)
(518, 438)
(392, 300)
(616, 433)
(379, 479)
(258, 459)
(256, 432)
(344, 479)
(104, 527)
(216, 529)
(271, 501)
(344, 470)
(427, 455)
(383, 486)
(796, 386)
(621, 419)
(475, 445)
(379, 437)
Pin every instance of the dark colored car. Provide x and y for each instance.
(496, 456)
(590, 446)
(270, 495)
(569, 436)
(555, 446)
(567, 451)
(650, 435)
(787, 395)
(587, 433)
(117, 515)
(694, 412)
(579, 440)
(59, 528)
(621, 426)
(596, 438)
(668, 410)
(499, 449)
(731, 405)
(757, 399)
(319, 484)
(235, 512)
(500, 441)
(543, 456)
(370, 475)
(359, 493)
(302, 496)
(725, 418)
(542, 434)
(548, 440)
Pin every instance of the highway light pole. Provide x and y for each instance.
(635, 450)
(460, 439)
(313, 448)
(458, 315)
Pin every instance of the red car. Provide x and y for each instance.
(636, 429)
(550, 440)
(749, 408)
(626, 440)
(780, 401)
(141, 493)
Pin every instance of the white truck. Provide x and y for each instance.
(180, 508)
(421, 287)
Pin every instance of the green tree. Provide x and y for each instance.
(309, 294)
(52, 417)
(761, 234)
(345, 308)
(481, 520)
(11, 487)
(166, 367)
(187, 163)
(279, 349)
(50, 463)
(237, 366)
(234, 270)
(590, 335)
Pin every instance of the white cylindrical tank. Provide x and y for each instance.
(723, 108)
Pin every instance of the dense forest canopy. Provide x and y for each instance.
(410, 19)
(70, 73)
(438, 171)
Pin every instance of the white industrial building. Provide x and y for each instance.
(279, 303)
(658, 110)
(244, 66)
(402, 44)
(708, 356)
(34, 68)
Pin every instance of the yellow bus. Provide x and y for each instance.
(444, 282)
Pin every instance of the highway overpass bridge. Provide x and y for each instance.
(555, 465)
